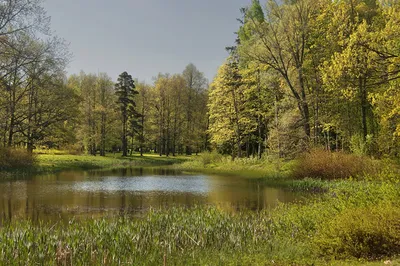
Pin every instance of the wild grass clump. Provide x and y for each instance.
(15, 159)
(210, 158)
(353, 220)
(371, 232)
(180, 235)
(203, 160)
(328, 165)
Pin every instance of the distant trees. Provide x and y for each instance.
(178, 113)
(194, 107)
(144, 101)
(96, 117)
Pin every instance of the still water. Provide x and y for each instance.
(86, 194)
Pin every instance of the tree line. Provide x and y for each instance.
(303, 74)
(167, 118)
(41, 107)
(310, 73)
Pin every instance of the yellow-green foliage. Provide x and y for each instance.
(15, 159)
(246, 167)
(207, 158)
(328, 165)
(371, 232)
(69, 150)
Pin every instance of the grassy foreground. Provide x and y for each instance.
(353, 224)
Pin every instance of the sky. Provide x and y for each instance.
(145, 37)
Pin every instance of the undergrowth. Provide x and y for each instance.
(212, 162)
(15, 159)
(326, 165)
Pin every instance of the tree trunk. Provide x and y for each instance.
(142, 129)
(103, 135)
(124, 140)
(238, 134)
(12, 118)
(364, 107)
(259, 138)
(304, 104)
(277, 126)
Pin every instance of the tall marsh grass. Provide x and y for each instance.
(328, 165)
(177, 234)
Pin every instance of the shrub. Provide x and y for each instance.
(323, 164)
(371, 232)
(210, 158)
(15, 158)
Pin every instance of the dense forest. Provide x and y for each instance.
(310, 73)
(303, 74)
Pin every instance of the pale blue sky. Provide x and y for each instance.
(145, 37)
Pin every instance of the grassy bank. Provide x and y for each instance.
(314, 171)
(214, 163)
(55, 162)
(48, 162)
(355, 224)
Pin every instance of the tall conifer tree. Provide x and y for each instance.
(125, 91)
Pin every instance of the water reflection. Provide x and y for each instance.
(128, 191)
(112, 184)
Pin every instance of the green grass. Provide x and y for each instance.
(84, 162)
(214, 163)
(55, 162)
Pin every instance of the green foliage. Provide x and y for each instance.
(16, 159)
(238, 107)
(359, 146)
(352, 220)
(337, 61)
(319, 163)
(207, 158)
(96, 121)
(372, 232)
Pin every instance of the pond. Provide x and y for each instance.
(91, 194)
